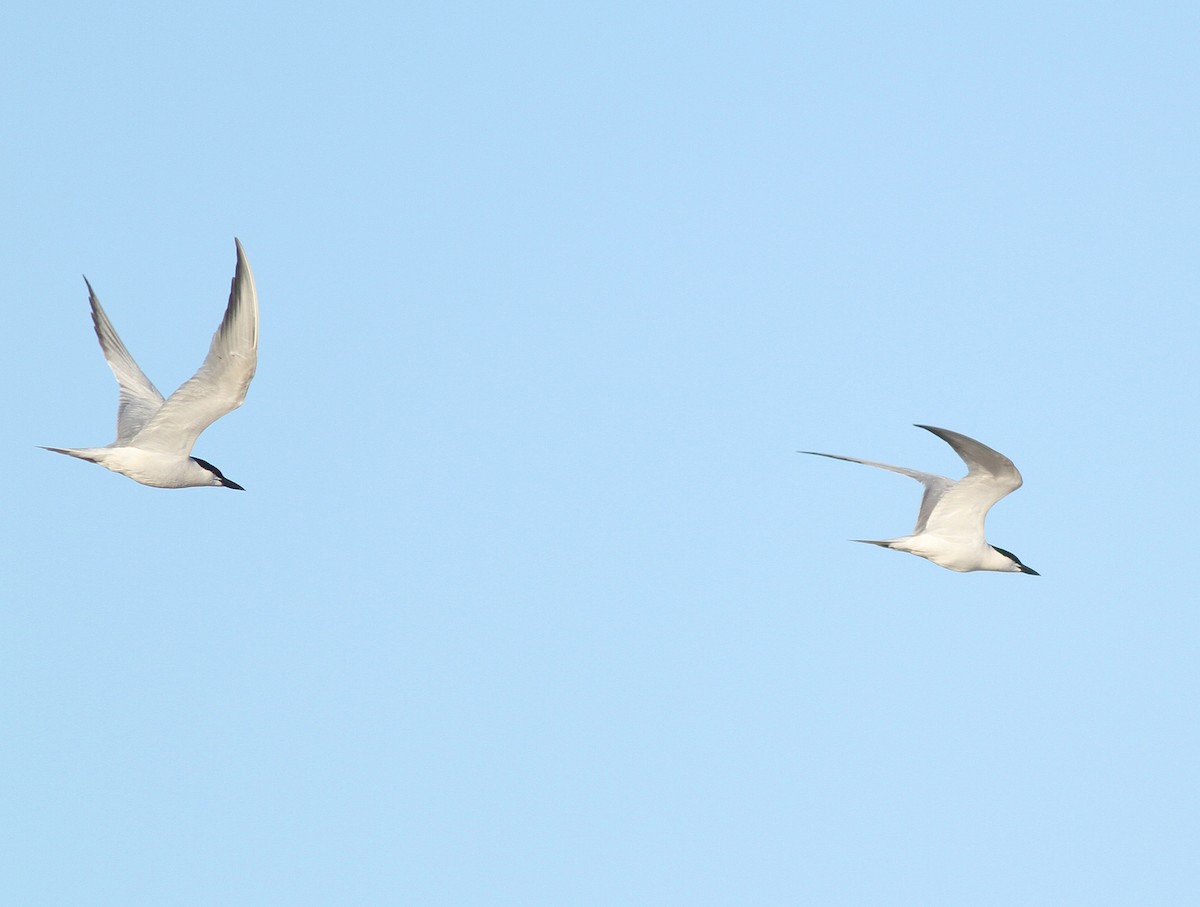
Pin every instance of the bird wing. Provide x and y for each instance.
(935, 486)
(961, 511)
(140, 399)
(220, 385)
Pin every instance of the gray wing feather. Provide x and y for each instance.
(140, 399)
(220, 385)
(990, 476)
(979, 457)
(935, 485)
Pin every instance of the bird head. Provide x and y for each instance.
(1017, 566)
(218, 478)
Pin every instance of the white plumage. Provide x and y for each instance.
(949, 528)
(155, 437)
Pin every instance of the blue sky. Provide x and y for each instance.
(529, 599)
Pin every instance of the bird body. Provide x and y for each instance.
(950, 524)
(155, 436)
(151, 467)
(953, 554)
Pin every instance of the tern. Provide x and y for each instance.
(155, 437)
(949, 528)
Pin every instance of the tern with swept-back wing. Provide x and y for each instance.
(949, 528)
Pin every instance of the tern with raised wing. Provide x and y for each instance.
(155, 437)
(949, 528)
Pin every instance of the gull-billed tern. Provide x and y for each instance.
(949, 528)
(155, 437)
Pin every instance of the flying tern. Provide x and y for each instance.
(155, 437)
(949, 528)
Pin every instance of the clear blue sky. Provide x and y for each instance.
(529, 599)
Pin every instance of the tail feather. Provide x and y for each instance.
(885, 543)
(81, 453)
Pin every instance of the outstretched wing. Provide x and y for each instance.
(935, 486)
(221, 383)
(990, 476)
(140, 399)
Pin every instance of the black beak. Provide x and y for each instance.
(1028, 570)
(229, 483)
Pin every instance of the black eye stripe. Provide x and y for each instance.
(1008, 554)
(216, 472)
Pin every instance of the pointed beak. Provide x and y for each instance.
(228, 483)
(1029, 570)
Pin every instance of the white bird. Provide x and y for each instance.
(949, 528)
(155, 437)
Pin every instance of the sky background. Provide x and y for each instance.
(530, 599)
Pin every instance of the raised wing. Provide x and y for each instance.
(140, 399)
(221, 383)
(990, 476)
(935, 486)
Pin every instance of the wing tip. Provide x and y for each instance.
(242, 272)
